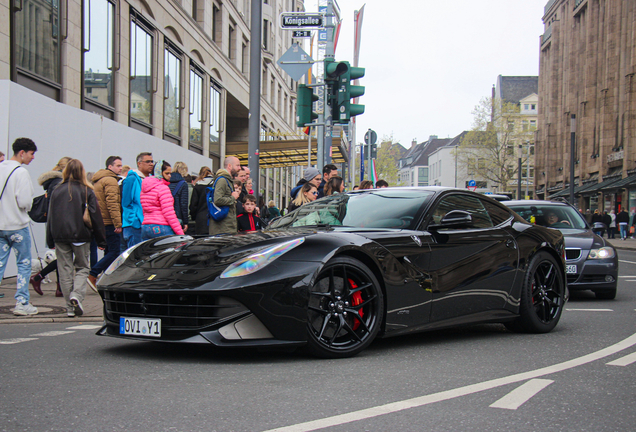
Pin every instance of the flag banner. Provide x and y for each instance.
(374, 173)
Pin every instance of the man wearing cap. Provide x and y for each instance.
(310, 175)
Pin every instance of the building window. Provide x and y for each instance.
(524, 125)
(265, 33)
(216, 23)
(99, 39)
(196, 109)
(172, 92)
(533, 107)
(215, 119)
(244, 57)
(231, 42)
(526, 107)
(533, 125)
(141, 77)
(36, 45)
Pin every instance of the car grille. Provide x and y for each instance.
(572, 254)
(176, 311)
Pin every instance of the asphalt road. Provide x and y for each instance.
(580, 377)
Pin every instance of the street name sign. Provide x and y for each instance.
(301, 20)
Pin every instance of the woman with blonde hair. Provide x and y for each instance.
(366, 184)
(74, 218)
(49, 180)
(307, 194)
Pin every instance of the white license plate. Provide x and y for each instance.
(570, 269)
(140, 327)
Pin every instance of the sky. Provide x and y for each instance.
(428, 63)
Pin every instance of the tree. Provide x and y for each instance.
(487, 151)
(386, 164)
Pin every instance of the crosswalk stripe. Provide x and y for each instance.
(84, 327)
(521, 394)
(53, 333)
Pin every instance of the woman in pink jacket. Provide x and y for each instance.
(158, 204)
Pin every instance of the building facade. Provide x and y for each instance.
(587, 89)
(167, 76)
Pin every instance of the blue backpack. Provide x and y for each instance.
(215, 212)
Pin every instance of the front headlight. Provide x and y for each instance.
(120, 259)
(602, 253)
(256, 261)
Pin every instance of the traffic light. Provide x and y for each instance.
(306, 99)
(342, 73)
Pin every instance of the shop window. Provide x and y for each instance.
(215, 119)
(196, 109)
(172, 92)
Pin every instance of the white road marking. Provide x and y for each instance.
(454, 393)
(625, 277)
(590, 310)
(53, 333)
(628, 262)
(624, 361)
(16, 341)
(521, 394)
(85, 327)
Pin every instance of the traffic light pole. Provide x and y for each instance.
(325, 134)
(254, 122)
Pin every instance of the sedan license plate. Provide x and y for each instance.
(140, 327)
(570, 269)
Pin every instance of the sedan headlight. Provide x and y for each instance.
(602, 253)
(256, 261)
(120, 259)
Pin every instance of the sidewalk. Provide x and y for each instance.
(50, 308)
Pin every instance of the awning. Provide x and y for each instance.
(283, 153)
(598, 186)
(627, 181)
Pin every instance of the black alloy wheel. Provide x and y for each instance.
(345, 309)
(542, 296)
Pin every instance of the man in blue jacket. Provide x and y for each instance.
(133, 214)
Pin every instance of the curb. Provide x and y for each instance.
(27, 320)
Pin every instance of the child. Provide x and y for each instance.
(248, 221)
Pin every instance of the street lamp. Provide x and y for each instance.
(572, 143)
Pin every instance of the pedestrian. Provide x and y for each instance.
(308, 193)
(381, 184)
(74, 219)
(607, 221)
(311, 175)
(588, 217)
(239, 187)
(16, 197)
(49, 180)
(179, 190)
(106, 187)
(133, 215)
(264, 213)
(328, 171)
(335, 185)
(597, 223)
(248, 186)
(273, 211)
(622, 219)
(248, 220)
(199, 203)
(366, 184)
(226, 196)
(612, 225)
(158, 204)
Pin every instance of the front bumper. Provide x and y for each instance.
(592, 274)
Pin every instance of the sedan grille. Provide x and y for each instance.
(177, 311)
(572, 254)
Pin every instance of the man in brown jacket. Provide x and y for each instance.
(224, 195)
(109, 200)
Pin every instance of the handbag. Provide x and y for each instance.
(631, 229)
(87, 214)
(39, 208)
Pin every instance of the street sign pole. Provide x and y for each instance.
(254, 121)
(370, 138)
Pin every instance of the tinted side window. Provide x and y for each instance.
(470, 204)
(497, 214)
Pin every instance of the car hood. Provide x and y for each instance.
(582, 239)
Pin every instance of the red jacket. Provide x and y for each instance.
(249, 222)
(158, 204)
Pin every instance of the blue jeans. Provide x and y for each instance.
(623, 228)
(152, 231)
(132, 236)
(110, 253)
(20, 240)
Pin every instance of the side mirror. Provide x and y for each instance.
(455, 219)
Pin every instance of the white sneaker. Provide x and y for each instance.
(24, 309)
(77, 305)
(70, 312)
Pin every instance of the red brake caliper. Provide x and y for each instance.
(356, 299)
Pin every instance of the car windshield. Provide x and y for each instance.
(377, 208)
(553, 216)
